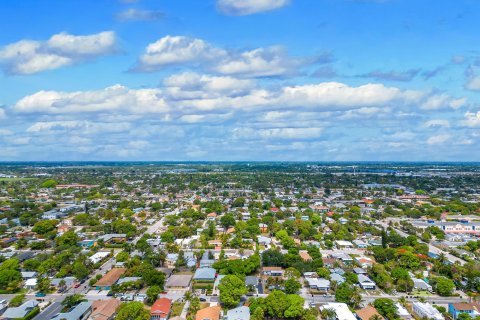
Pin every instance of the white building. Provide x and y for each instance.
(426, 310)
(341, 310)
(98, 256)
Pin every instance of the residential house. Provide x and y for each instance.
(341, 310)
(342, 244)
(360, 244)
(240, 313)
(402, 312)
(20, 311)
(161, 309)
(109, 279)
(426, 310)
(319, 284)
(209, 313)
(80, 312)
(104, 309)
(472, 309)
(365, 282)
(273, 271)
(367, 313)
(204, 274)
(421, 285)
(178, 281)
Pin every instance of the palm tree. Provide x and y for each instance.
(328, 313)
(402, 300)
(356, 298)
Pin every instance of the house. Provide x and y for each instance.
(211, 216)
(367, 312)
(80, 312)
(263, 227)
(69, 282)
(245, 216)
(273, 271)
(319, 284)
(342, 244)
(98, 256)
(240, 313)
(426, 310)
(365, 282)
(328, 262)
(161, 309)
(177, 281)
(304, 255)
(28, 274)
(104, 309)
(421, 285)
(472, 309)
(341, 310)
(364, 262)
(209, 313)
(402, 312)
(113, 237)
(171, 260)
(205, 274)
(31, 283)
(337, 278)
(360, 244)
(359, 271)
(21, 311)
(108, 280)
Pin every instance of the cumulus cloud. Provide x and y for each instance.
(190, 93)
(185, 51)
(471, 120)
(171, 50)
(30, 56)
(133, 14)
(442, 101)
(247, 7)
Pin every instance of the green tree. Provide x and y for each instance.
(50, 183)
(152, 293)
(276, 303)
(72, 300)
(43, 284)
(443, 286)
(292, 286)
(386, 307)
(295, 306)
(133, 311)
(228, 220)
(231, 289)
(17, 300)
(79, 270)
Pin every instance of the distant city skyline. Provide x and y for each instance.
(228, 80)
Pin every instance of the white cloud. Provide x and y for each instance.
(109, 99)
(261, 62)
(185, 51)
(438, 139)
(191, 84)
(246, 7)
(471, 120)
(171, 50)
(133, 14)
(191, 93)
(442, 101)
(29, 56)
(473, 83)
(277, 133)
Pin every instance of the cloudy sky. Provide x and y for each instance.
(240, 80)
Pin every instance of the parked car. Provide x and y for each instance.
(40, 294)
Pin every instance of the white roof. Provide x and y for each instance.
(343, 243)
(341, 310)
(401, 311)
(428, 310)
(31, 282)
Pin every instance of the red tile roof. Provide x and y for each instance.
(161, 306)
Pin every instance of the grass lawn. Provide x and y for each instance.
(422, 294)
(177, 308)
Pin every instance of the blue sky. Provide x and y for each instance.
(240, 80)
